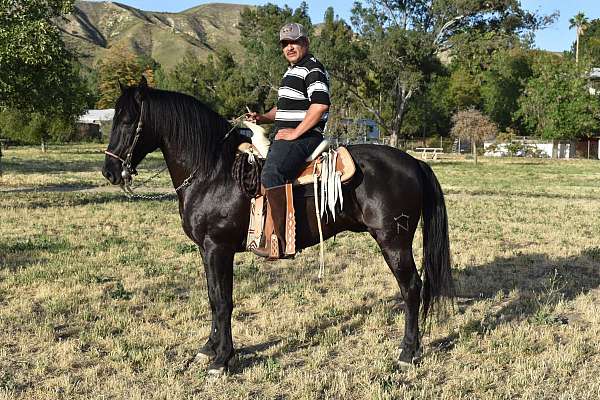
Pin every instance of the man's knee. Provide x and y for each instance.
(271, 177)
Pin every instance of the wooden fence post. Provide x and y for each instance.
(589, 143)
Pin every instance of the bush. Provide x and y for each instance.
(35, 128)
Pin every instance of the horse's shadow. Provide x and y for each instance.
(248, 356)
(537, 282)
(567, 277)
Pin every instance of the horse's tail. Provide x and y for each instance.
(438, 283)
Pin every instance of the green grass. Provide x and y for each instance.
(104, 297)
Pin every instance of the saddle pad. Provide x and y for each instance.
(344, 164)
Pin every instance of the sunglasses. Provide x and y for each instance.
(285, 43)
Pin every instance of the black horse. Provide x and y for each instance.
(387, 197)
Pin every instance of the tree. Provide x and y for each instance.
(391, 68)
(37, 72)
(264, 64)
(431, 109)
(464, 90)
(121, 65)
(34, 127)
(400, 42)
(589, 43)
(336, 34)
(218, 82)
(580, 22)
(471, 124)
(229, 86)
(503, 83)
(556, 103)
(39, 78)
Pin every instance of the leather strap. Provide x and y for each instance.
(269, 230)
(290, 221)
(274, 255)
(256, 226)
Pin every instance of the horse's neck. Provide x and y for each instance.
(180, 168)
(179, 165)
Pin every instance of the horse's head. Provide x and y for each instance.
(130, 140)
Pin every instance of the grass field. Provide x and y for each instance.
(102, 297)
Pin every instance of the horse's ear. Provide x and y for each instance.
(142, 89)
(122, 87)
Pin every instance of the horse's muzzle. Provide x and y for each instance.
(112, 178)
(112, 174)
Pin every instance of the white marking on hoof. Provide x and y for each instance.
(202, 358)
(403, 365)
(216, 371)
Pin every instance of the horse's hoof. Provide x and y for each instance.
(409, 358)
(215, 371)
(403, 365)
(202, 358)
(205, 354)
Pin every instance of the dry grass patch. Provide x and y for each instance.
(103, 297)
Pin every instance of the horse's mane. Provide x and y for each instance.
(197, 131)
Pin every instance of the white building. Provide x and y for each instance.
(528, 147)
(94, 123)
(97, 116)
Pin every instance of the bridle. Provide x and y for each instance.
(127, 170)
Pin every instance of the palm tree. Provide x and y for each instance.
(580, 22)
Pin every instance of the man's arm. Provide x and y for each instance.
(313, 117)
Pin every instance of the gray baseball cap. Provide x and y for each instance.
(292, 31)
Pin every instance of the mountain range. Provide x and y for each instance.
(94, 27)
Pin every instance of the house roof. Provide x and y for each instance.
(97, 116)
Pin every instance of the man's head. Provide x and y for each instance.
(293, 41)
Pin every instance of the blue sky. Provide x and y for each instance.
(557, 37)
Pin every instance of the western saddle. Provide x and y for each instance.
(275, 239)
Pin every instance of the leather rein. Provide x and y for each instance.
(128, 171)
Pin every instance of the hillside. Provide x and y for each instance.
(93, 27)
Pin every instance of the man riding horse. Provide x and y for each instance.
(299, 117)
(391, 194)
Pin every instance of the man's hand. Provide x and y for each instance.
(258, 119)
(253, 117)
(286, 134)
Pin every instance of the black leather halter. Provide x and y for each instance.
(128, 170)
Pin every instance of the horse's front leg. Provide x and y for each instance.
(218, 266)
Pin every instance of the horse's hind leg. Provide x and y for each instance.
(397, 252)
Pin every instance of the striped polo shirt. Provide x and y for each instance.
(303, 84)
